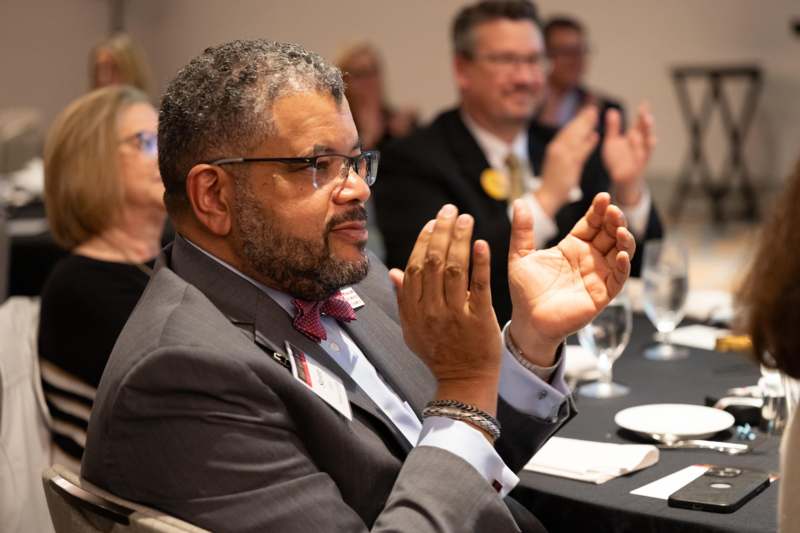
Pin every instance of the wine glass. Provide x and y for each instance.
(606, 337)
(665, 274)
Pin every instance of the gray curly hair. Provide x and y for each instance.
(219, 105)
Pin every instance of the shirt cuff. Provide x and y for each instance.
(526, 392)
(637, 215)
(466, 442)
(544, 227)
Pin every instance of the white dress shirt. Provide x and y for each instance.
(497, 150)
(519, 387)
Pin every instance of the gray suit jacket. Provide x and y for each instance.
(195, 418)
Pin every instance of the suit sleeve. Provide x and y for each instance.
(407, 194)
(183, 411)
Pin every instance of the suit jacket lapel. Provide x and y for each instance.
(467, 153)
(264, 321)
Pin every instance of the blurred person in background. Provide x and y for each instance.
(376, 120)
(117, 60)
(565, 92)
(487, 152)
(770, 300)
(103, 194)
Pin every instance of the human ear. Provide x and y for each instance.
(210, 192)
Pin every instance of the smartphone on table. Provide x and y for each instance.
(721, 489)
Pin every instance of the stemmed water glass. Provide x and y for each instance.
(665, 274)
(605, 337)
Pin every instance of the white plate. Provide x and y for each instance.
(684, 421)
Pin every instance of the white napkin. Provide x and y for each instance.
(594, 462)
(697, 336)
(708, 304)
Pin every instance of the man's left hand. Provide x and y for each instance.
(557, 291)
(625, 155)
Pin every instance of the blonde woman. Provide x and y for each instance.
(118, 61)
(377, 121)
(103, 194)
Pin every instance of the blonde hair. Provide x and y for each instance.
(81, 186)
(128, 59)
(349, 51)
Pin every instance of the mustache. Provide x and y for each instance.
(357, 214)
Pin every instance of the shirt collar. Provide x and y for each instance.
(282, 299)
(494, 148)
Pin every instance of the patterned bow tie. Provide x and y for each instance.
(307, 317)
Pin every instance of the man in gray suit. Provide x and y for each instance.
(270, 379)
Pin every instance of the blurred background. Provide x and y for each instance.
(635, 44)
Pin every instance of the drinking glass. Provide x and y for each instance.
(605, 337)
(665, 275)
(774, 412)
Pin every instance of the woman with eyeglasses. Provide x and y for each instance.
(103, 194)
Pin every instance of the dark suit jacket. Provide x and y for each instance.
(442, 163)
(195, 418)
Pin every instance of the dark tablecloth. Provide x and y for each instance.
(565, 505)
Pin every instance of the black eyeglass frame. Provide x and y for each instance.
(372, 158)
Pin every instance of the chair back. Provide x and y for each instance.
(77, 506)
(24, 420)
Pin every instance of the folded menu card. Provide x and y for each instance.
(595, 462)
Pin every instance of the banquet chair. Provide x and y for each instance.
(77, 506)
(25, 445)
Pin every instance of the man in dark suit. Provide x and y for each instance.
(487, 152)
(565, 92)
(272, 378)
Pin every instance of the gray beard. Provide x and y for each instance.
(302, 268)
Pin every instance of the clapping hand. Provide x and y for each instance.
(626, 154)
(557, 291)
(447, 315)
(564, 159)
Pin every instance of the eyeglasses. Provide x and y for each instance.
(145, 141)
(509, 61)
(569, 51)
(322, 169)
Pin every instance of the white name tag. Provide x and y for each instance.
(319, 380)
(352, 298)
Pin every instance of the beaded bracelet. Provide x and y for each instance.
(464, 412)
(517, 353)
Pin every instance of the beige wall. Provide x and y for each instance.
(635, 43)
(44, 46)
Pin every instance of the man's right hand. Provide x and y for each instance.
(564, 159)
(447, 318)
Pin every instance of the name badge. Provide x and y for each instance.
(319, 380)
(352, 298)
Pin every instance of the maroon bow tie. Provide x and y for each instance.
(307, 317)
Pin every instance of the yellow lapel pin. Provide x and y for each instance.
(495, 184)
